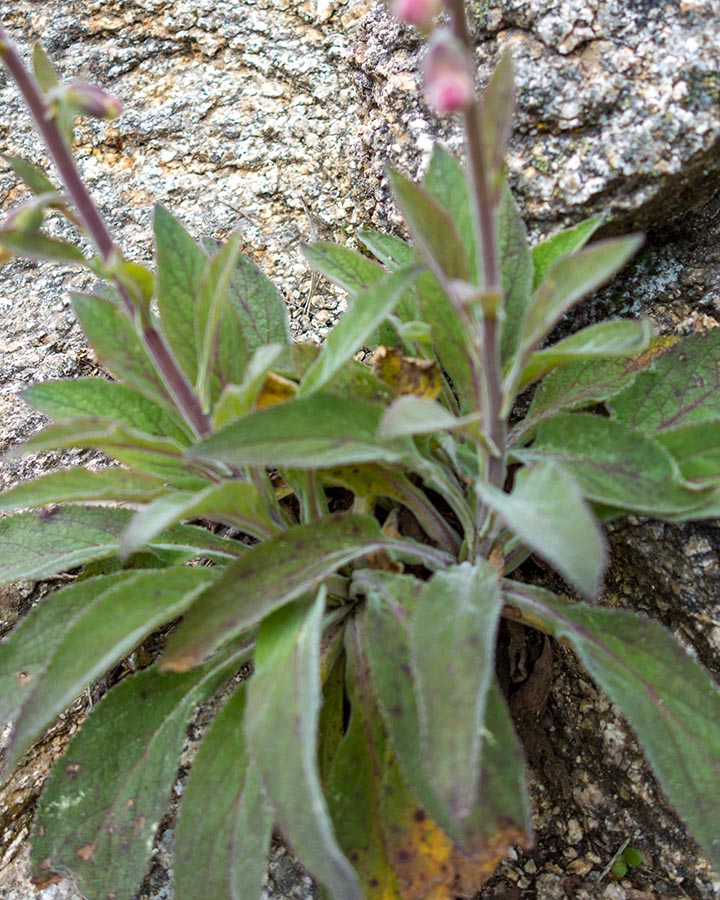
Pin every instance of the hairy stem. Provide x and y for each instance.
(182, 393)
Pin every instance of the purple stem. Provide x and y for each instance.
(182, 392)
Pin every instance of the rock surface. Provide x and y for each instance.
(276, 118)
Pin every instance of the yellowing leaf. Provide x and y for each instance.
(275, 390)
(407, 375)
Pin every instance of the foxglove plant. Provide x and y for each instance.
(371, 522)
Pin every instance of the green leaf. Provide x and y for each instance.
(366, 311)
(33, 177)
(516, 270)
(268, 576)
(564, 243)
(105, 798)
(452, 648)
(547, 512)
(237, 399)
(27, 650)
(682, 389)
(100, 633)
(117, 345)
(258, 306)
(309, 433)
(613, 464)
(696, 450)
(281, 728)
(500, 815)
(351, 270)
(82, 485)
(42, 543)
(432, 228)
(222, 351)
(223, 832)
(619, 337)
(80, 398)
(415, 415)
(181, 266)
(667, 697)
(393, 252)
(497, 106)
(233, 503)
(43, 69)
(446, 183)
(37, 246)
(570, 279)
(583, 384)
(150, 455)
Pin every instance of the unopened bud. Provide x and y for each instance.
(419, 13)
(89, 100)
(448, 74)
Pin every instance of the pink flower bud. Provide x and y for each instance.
(419, 13)
(90, 100)
(448, 74)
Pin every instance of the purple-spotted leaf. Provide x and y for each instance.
(80, 485)
(546, 510)
(621, 337)
(273, 573)
(445, 181)
(55, 539)
(233, 503)
(516, 270)
(97, 636)
(106, 796)
(181, 265)
(223, 832)
(452, 648)
(614, 465)
(563, 243)
(433, 230)
(683, 387)
(367, 310)
(37, 246)
(117, 345)
(146, 453)
(670, 701)
(569, 280)
(281, 729)
(309, 433)
(80, 398)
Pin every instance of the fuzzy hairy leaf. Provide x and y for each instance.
(105, 798)
(223, 832)
(516, 270)
(547, 512)
(621, 337)
(82, 486)
(667, 697)
(281, 729)
(696, 450)
(45, 542)
(683, 387)
(570, 279)
(34, 245)
(231, 502)
(309, 433)
(34, 178)
(452, 648)
(614, 465)
(392, 251)
(366, 312)
(562, 244)
(80, 398)
(415, 415)
(99, 634)
(237, 399)
(258, 306)
(432, 228)
(446, 183)
(500, 814)
(496, 113)
(341, 265)
(181, 265)
(117, 345)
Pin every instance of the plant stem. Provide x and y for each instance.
(485, 212)
(182, 393)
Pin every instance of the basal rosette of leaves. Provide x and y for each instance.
(368, 525)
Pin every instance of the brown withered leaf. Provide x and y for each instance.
(406, 374)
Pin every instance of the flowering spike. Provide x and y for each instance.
(419, 13)
(447, 73)
(87, 100)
